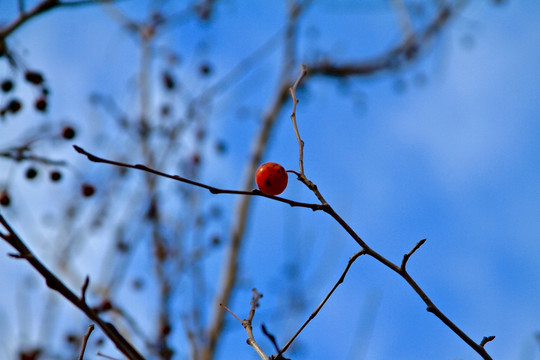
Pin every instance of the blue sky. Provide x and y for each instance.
(452, 155)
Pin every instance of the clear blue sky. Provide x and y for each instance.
(447, 150)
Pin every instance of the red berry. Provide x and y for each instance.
(168, 81)
(41, 104)
(68, 133)
(5, 200)
(14, 106)
(88, 190)
(31, 173)
(7, 85)
(55, 175)
(33, 77)
(271, 178)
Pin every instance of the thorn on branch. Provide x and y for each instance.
(486, 339)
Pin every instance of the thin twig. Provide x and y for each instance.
(85, 340)
(352, 259)
(270, 336)
(409, 254)
(292, 90)
(247, 323)
(39, 9)
(405, 275)
(301, 175)
(212, 189)
(230, 312)
(18, 156)
(394, 57)
(106, 356)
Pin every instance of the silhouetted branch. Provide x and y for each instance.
(24, 154)
(352, 259)
(404, 52)
(212, 189)
(409, 254)
(293, 118)
(270, 337)
(247, 323)
(56, 284)
(301, 175)
(329, 210)
(369, 251)
(85, 340)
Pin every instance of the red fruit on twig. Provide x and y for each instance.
(271, 178)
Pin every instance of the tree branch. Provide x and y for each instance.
(409, 254)
(323, 302)
(39, 9)
(85, 340)
(212, 189)
(404, 52)
(247, 323)
(56, 284)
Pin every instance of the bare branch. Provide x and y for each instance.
(247, 323)
(271, 337)
(352, 259)
(85, 339)
(212, 189)
(230, 312)
(39, 9)
(293, 118)
(409, 254)
(301, 175)
(106, 356)
(406, 51)
(56, 284)
(24, 155)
